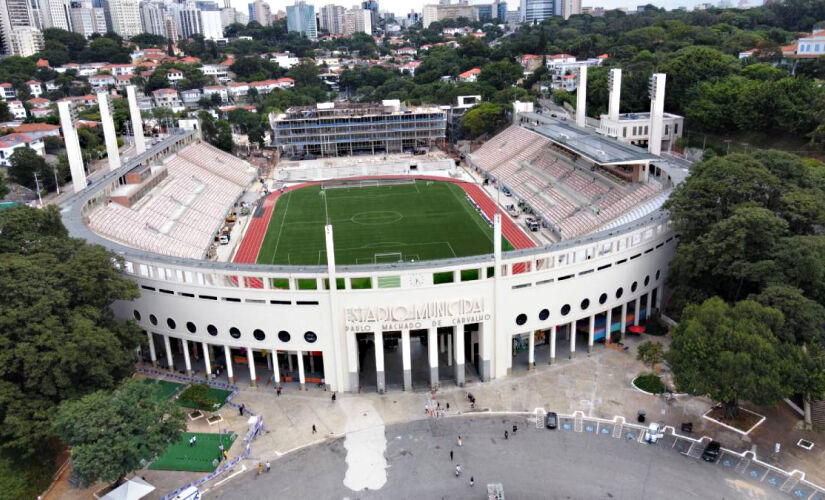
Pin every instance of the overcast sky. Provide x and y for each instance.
(404, 6)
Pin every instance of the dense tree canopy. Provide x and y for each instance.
(59, 339)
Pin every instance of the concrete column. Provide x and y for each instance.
(230, 373)
(152, 353)
(659, 298)
(531, 351)
(615, 82)
(636, 311)
(73, 151)
(289, 362)
(276, 367)
(648, 305)
(624, 322)
(268, 361)
(108, 130)
(137, 121)
(380, 379)
(581, 97)
(591, 332)
(405, 359)
(301, 377)
(432, 347)
(552, 344)
(186, 359)
(458, 331)
(250, 358)
(485, 337)
(169, 359)
(206, 361)
(571, 329)
(449, 349)
(442, 343)
(334, 378)
(352, 361)
(608, 323)
(657, 110)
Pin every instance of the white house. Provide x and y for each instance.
(811, 46)
(11, 142)
(209, 90)
(17, 110)
(35, 88)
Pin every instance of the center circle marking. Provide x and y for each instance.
(376, 218)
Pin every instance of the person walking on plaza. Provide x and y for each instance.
(240, 410)
(515, 428)
(333, 397)
(278, 391)
(472, 481)
(313, 429)
(225, 455)
(268, 466)
(506, 435)
(459, 441)
(260, 468)
(451, 455)
(457, 470)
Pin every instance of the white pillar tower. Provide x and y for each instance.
(137, 122)
(336, 379)
(72, 147)
(657, 113)
(614, 82)
(581, 97)
(108, 130)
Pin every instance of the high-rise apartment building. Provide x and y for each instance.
(357, 20)
(331, 19)
(446, 10)
(54, 14)
(300, 18)
(152, 16)
(123, 17)
(86, 19)
(372, 6)
(26, 41)
(14, 14)
(538, 10)
(211, 25)
(567, 8)
(259, 11)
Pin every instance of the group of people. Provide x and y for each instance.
(458, 470)
(434, 409)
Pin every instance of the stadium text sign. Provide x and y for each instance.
(415, 316)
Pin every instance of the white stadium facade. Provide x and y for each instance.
(600, 199)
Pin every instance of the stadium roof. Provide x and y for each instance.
(593, 146)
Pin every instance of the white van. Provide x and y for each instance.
(224, 239)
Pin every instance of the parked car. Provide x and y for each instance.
(711, 453)
(551, 420)
(653, 433)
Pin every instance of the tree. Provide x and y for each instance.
(731, 354)
(4, 189)
(482, 119)
(501, 74)
(110, 432)
(24, 163)
(59, 338)
(650, 353)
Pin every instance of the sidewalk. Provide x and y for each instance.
(598, 385)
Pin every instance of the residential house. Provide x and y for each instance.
(237, 90)
(284, 60)
(811, 46)
(167, 98)
(101, 82)
(35, 88)
(7, 91)
(17, 110)
(174, 76)
(38, 130)
(470, 75)
(40, 107)
(191, 97)
(11, 142)
(410, 67)
(220, 90)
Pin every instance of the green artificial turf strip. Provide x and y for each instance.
(197, 458)
(163, 388)
(423, 221)
(217, 395)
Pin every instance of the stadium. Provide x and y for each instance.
(391, 270)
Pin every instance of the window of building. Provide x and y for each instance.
(153, 319)
(544, 314)
(619, 292)
(136, 314)
(565, 309)
(235, 333)
(191, 327)
(310, 337)
(171, 323)
(634, 286)
(259, 334)
(212, 329)
(602, 298)
(585, 304)
(283, 336)
(521, 319)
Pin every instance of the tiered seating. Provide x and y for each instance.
(505, 146)
(181, 215)
(588, 187)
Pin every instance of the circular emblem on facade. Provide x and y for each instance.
(310, 337)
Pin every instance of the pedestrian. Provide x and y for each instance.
(438, 406)
(313, 429)
(260, 468)
(472, 481)
(457, 470)
(448, 406)
(459, 441)
(240, 410)
(515, 428)
(506, 435)
(333, 397)
(451, 455)
(225, 455)
(278, 391)
(268, 466)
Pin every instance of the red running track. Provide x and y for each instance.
(254, 237)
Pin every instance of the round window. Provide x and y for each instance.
(235, 333)
(259, 334)
(521, 319)
(544, 314)
(153, 319)
(585, 304)
(634, 286)
(647, 280)
(619, 292)
(191, 327)
(602, 298)
(283, 336)
(171, 323)
(136, 313)
(565, 309)
(310, 337)
(212, 329)
(658, 273)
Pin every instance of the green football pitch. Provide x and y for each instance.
(199, 457)
(376, 224)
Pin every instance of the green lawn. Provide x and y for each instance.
(218, 396)
(421, 221)
(197, 458)
(163, 388)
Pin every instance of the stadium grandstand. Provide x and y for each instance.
(177, 207)
(575, 181)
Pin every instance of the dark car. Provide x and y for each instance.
(551, 420)
(711, 452)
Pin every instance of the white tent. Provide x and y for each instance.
(133, 489)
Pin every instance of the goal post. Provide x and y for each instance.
(388, 257)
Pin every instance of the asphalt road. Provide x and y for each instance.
(534, 463)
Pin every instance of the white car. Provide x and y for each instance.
(653, 433)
